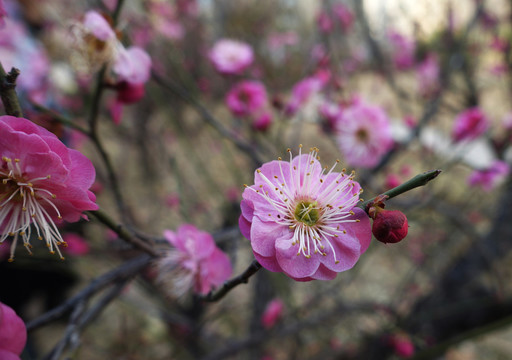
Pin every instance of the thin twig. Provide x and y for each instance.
(417, 181)
(123, 232)
(243, 278)
(125, 271)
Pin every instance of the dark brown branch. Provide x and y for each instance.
(8, 92)
(230, 284)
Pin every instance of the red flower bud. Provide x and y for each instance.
(129, 93)
(389, 226)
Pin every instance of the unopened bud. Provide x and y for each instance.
(389, 226)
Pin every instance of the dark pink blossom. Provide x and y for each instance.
(469, 124)
(262, 121)
(231, 56)
(491, 177)
(402, 345)
(3, 14)
(344, 16)
(75, 245)
(402, 50)
(302, 220)
(13, 334)
(194, 262)
(363, 134)
(43, 182)
(246, 98)
(273, 313)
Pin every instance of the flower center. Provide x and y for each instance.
(307, 213)
(362, 135)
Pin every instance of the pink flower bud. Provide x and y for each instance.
(402, 345)
(128, 93)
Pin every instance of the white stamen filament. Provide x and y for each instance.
(24, 208)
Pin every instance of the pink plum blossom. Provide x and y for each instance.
(132, 65)
(262, 121)
(402, 50)
(402, 345)
(231, 56)
(13, 334)
(302, 220)
(302, 92)
(491, 177)
(98, 26)
(344, 16)
(427, 75)
(246, 97)
(273, 312)
(195, 261)
(363, 134)
(3, 14)
(75, 244)
(324, 22)
(469, 124)
(43, 182)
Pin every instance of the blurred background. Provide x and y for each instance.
(439, 72)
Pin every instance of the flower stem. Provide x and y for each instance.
(8, 92)
(417, 181)
(230, 284)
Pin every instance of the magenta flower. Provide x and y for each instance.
(427, 75)
(469, 124)
(273, 312)
(302, 220)
(402, 49)
(363, 134)
(231, 56)
(344, 15)
(3, 14)
(75, 245)
(491, 177)
(246, 97)
(43, 182)
(13, 334)
(302, 92)
(195, 261)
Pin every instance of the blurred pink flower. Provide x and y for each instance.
(195, 261)
(262, 121)
(3, 14)
(132, 65)
(302, 92)
(427, 75)
(277, 41)
(344, 16)
(402, 50)
(402, 345)
(43, 183)
(172, 200)
(165, 20)
(13, 334)
(392, 181)
(324, 22)
(363, 134)
(469, 124)
(273, 313)
(491, 177)
(246, 97)
(75, 245)
(97, 25)
(330, 113)
(231, 56)
(302, 220)
(506, 122)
